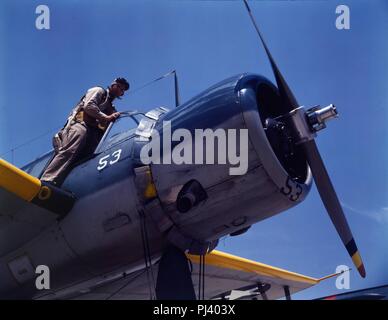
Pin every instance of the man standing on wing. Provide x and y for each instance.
(84, 129)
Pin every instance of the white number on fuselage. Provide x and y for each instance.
(103, 162)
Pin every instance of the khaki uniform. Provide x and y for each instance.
(81, 133)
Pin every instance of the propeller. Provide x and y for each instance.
(321, 177)
(331, 203)
(288, 100)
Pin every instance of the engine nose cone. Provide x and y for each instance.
(317, 117)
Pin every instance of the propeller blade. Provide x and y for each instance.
(332, 204)
(174, 277)
(321, 177)
(288, 99)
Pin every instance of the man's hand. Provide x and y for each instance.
(113, 116)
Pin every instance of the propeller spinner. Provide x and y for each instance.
(306, 124)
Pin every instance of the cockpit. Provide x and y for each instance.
(122, 129)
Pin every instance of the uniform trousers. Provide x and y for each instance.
(75, 142)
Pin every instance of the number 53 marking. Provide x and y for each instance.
(292, 189)
(103, 162)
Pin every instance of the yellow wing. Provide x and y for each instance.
(27, 206)
(226, 277)
(232, 277)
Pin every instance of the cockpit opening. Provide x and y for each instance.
(123, 128)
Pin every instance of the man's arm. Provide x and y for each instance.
(110, 110)
(93, 98)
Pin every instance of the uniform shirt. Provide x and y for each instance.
(96, 105)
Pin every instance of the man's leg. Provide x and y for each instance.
(94, 136)
(73, 140)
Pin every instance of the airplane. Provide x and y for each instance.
(120, 229)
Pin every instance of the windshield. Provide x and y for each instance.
(122, 128)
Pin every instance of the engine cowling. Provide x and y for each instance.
(277, 176)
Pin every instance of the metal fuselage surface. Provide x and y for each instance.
(102, 234)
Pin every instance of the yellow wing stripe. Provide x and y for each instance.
(18, 182)
(228, 261)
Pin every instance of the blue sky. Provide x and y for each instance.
(45, 72)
